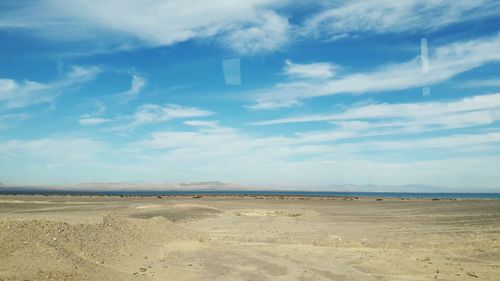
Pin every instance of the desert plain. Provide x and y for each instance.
(247, 238)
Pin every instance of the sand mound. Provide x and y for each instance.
(337, 242)
(148, 206)
(65, 251)
(268, 213)
(179, 212)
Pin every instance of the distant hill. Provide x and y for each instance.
(124, 186)
(162, 186)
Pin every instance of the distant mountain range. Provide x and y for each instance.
(223, 186)
(120, 186)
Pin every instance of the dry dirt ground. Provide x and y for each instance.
(247, 238)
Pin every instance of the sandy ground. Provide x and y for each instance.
(247, 238)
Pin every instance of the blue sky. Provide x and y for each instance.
(301, 94)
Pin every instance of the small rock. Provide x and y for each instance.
(472, 274)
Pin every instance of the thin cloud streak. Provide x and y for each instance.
(446, 62)
(402, 110)
(152, 113)
(386, 16)
(137, 84)
(93, 121)
(14, 94)
(310, 70)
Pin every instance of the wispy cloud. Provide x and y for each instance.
(277, 159)
(51, 159)
(7, 120)
(62, 148)
(383, 16)
(452, 141)
(136, 86)
(247, 27)
(445, 62)
(398, 121)
(267, 32)
(95, 117)
(93, 120)
(209, 135)
(151, 113)
(202, 123)
(212, 151)
(434, 109)
(319, 70)
(482, 83)
(14, 94)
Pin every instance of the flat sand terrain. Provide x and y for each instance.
(247, 238)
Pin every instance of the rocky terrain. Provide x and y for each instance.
(247, 238)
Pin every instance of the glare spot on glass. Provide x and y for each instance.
(426, 91)
(232, 73)
(424, 55)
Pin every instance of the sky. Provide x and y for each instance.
(303, 94)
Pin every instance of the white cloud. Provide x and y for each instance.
(151, 113)
(78, 73)
(230, 154)
(435, 110)
(93, 120)
(136, 86)
(396, 120)
(382, 16)
(268, 33)
(95, 117)
(446, 142)
(7, 120)
(52, 149)
(15, 94)
(207, 140)
(482, 83)
(320, 70)
(100, 108)
(446, 62)
(202, 123)
(54, 159)
(246, 26)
